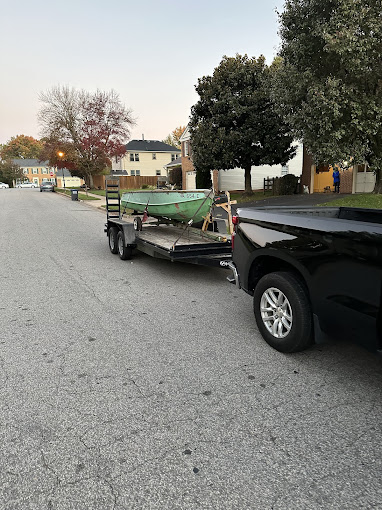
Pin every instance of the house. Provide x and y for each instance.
(318, 179)
(188, 170)
(145, 158)
(35, 171)
(38, 171)
(233, 179)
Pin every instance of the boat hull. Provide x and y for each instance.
(174, 205)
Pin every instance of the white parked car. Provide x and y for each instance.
(4, 185)
(27, 185)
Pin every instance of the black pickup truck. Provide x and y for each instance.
(311, 271)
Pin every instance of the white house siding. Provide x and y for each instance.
(233, 179)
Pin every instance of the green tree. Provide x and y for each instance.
(174, 137)
(9, 172)
(328, 84)
(88, 129)
(234, 123)
(21, 146)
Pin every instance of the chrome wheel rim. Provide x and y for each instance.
(112, 241)
(120, 245)
(276, 312)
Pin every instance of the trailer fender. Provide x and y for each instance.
(129, 233)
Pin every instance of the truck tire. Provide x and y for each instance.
(283, 313)
(113, 239)
(124, 251)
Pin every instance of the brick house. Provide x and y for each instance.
(188, 169)
(38, 171)
(35, 171)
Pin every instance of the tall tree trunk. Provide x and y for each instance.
(247, 179)
(378, 182)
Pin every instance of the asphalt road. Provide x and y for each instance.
(145, 385)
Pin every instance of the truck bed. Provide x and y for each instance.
(335, 219)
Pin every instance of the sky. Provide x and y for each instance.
(151, 53)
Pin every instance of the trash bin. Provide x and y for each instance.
(74, 194)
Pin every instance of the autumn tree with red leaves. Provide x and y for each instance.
(89, 129)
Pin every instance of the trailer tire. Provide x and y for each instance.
(124, 251)
(113, 239)
(283, 312)
(137, 223)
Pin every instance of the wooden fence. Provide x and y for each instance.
(126, 181)
(268, 184)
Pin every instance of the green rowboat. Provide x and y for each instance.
(174, 205)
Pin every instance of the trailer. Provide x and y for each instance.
(157, 237)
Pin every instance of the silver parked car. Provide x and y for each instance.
(4, 185)
(46, 186)
(27, 185)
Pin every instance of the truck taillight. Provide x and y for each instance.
(235, 220)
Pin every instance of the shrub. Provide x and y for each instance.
(286, 185)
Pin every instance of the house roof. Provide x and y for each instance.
(176, 162)
(186, 135)
(64, 171)
(150, 146)
(29, 162)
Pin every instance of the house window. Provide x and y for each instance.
(35, 170)
(44, 171)
(284, 170)
(131, 157)
(154, 155)
(132, 173)
(137, 172)
(25, 170)
(185, 148)
(157, 172)
(136, 157)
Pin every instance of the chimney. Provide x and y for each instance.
(143, 137)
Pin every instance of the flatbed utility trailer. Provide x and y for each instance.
(166, 240)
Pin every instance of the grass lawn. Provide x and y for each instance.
(81, 196)
(257, 195)
(364, 200)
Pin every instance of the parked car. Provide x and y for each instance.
(4, 185)
(46, 186)
(27, 185)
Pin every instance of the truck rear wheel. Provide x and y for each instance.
(113, 239)
(283, 313)
(124, 251)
